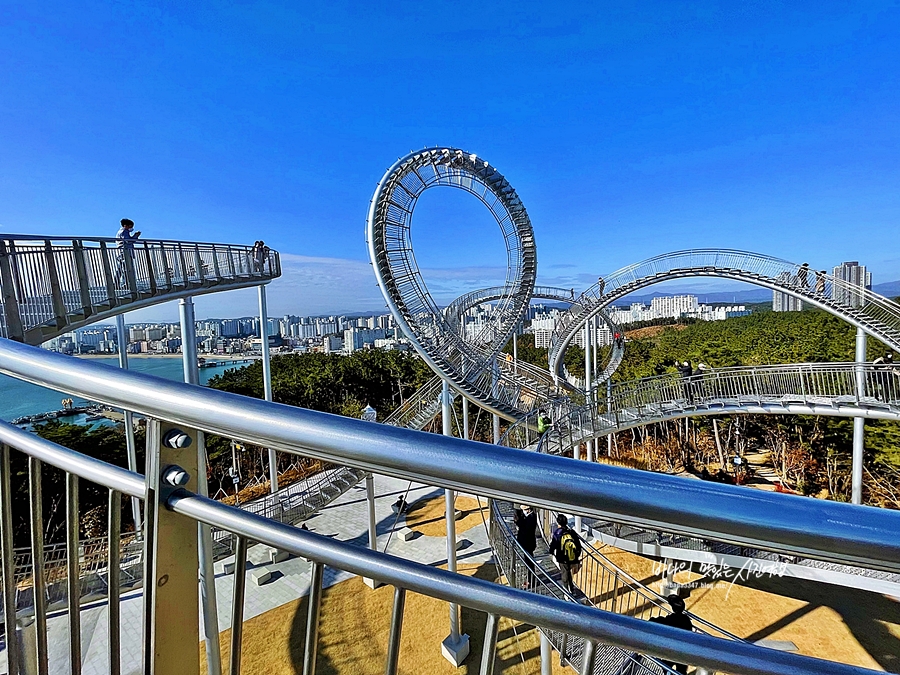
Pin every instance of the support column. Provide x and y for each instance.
(546, 655)
(207, 573)
(455, 646)
(130, 447)
(267, 378)
(856, 472)
(373, 533)
(465, 417)
(496, 429)
(609, 437)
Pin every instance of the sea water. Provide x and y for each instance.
(18, 398)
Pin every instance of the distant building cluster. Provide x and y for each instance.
(668, 307)
(851, 279)
(241, 336)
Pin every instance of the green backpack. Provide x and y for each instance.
(570, 547)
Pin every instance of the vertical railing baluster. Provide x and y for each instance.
(393, 654)
(113, 578)
(490, 645)
(8, 285)
(151, 274)
(108, 274)
(312, 619)
(73, 576)
(237, 604)
(84, 286)
(39, 586)
(587, 657)
(9, 571)
(56, 297)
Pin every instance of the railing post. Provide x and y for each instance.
(312, 619)
(14, 329)
(73, 576)
(84, 285)
(393, 655)
(171, 599)
(151, 274)
(237, 605)
(56, 297)
(108, 275)
(546, 654)
(113, 575)
(587, 657)
(9, 572)
(490, 644)
(859, 429)
(38, 580)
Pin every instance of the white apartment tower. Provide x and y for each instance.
(854, 277)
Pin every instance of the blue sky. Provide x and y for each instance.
(627, 131)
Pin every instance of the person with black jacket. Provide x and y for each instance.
(525, 520)
(677, 619)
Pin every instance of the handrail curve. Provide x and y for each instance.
(877, 315)
(825, 530)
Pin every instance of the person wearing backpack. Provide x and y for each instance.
(566, 547)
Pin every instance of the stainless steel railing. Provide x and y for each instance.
(54, 284)
(832, 529)
(826, 530)
(170, 633)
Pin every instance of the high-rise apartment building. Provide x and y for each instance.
(850, 279)
(785, 302)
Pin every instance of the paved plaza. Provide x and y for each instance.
(346, 518)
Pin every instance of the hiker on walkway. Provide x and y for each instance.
(686, 372)
(820, 282)
(885, 374)
(125, 238)
(544, 423)
(600, 286)
(526, 534)
(803, 276)
(677, 619)
(566, 547)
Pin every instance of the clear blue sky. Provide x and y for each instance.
(772, 127)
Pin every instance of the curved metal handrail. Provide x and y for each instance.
(861, 307)
(815, 529)
(53, 285)
(833, 389)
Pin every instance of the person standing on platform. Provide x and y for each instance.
(125, 238)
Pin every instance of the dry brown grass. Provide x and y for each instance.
(353, 634)
(839, 624)
(427, 516)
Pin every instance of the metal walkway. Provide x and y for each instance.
(863, 308)
(53, 285)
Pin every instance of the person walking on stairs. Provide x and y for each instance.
(566, 547)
